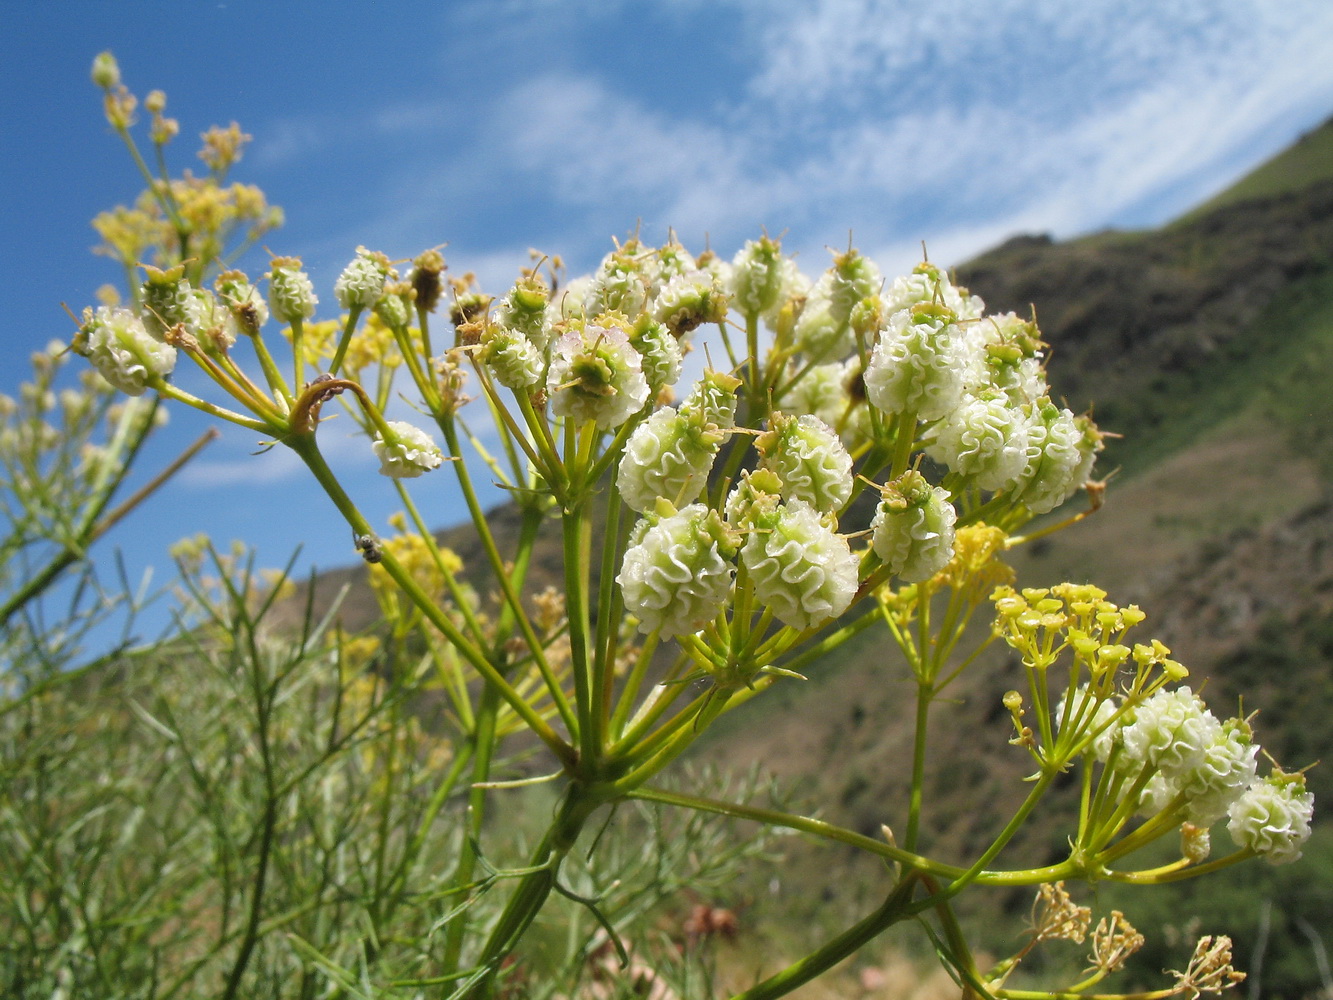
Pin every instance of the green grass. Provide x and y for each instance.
(1307, 161)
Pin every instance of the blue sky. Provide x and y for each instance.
(503, 125)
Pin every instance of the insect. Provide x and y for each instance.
(369, 547)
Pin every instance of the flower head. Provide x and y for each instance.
(362, 281)
(122, 350)
(678, 574)
(914, 528)
(406, 452)
(811, 461)
(799, 566)
(596, 375)
(1272, 817)
(290, 292)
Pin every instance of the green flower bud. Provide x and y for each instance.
(762, 279)
(166, 298)
(524, 309)
(511, 357)
(913, 528)
(677, 576)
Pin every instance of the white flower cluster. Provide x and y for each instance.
(677, 576)
(362, 281)
(1203, 769)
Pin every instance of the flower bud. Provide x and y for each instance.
(668, 455)
(850, 279)
(524, 309)
(166, 298)
(405, 452)
(106, 72)
(122, 350)
(913, 528)
(799, 567)
(620, 284)
(247, 307)
(362, 281)
(425, 278)
(394, 306)
(690, 300)
(811, 461)
(928, 284)
(290, 292)
(677, 576)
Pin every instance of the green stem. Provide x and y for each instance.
(306, 447)
(924, 692)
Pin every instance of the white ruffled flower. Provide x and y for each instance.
(596, 375)
(1226, 769)
(913, 528)
(362, 281)
(621, 283)
(122, 350)
(799, 566)
(1009, 352)
(670, 261)
(985, 440)
(1272, 817)
(1061, 449)
(511, 357)
(406, 452)
(166, 297)
(677, 576)
(919, 364)
(818, 333)
(668, 455)
(850, 279)
(806, 454)
(1169, 732)
(712, 400)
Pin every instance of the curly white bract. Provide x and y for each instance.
(665, 457)
(675, 578)
(985, 440)
(406, 451)
(123, 351)
(618, 285)
(361, 283)
(596, 375)
(915, 542)
(1272, 818)
(1057, 460)
(917, 367)
(811, 462)
(799, 567)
